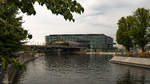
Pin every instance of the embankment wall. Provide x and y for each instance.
(11, 71)
(133, 61)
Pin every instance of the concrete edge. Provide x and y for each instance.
(9, 77)
(130, 63)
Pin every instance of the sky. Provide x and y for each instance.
(99, 17)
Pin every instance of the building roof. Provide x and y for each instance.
(78, 35)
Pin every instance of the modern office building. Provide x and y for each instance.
(96, 41)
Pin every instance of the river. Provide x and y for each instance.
(81, 69)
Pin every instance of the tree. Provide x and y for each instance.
(141, 31)
(134, 30)
(62, 7)
(12, 35)
(122, 36)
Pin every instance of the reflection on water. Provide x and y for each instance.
(128, 78)
(80, 69)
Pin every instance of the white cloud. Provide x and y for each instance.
(100, 16)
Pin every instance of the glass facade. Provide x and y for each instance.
(96, 41)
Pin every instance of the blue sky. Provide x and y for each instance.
(100, 16)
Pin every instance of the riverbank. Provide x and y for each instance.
(102, 53)
(11, 71)
(132, 61)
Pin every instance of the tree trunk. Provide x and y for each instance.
(143, 49)
(128, 51)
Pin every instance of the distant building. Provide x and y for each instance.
(71, 44)
(96, 41)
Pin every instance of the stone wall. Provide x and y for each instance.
(133, 61)
(11, 70)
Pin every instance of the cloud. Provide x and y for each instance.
(100, 16)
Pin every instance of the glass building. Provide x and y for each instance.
(96, 41)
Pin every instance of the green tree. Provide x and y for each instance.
(140, 31)
(62, 7)
(123, 36)
(12, 35)
(134, 31)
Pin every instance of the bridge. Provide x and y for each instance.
(60, 46)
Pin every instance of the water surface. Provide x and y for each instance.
(81, 69)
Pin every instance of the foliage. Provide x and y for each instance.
(12, 35)
(122, 35)
(133, 31)
(141, 32)
(62, 7)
